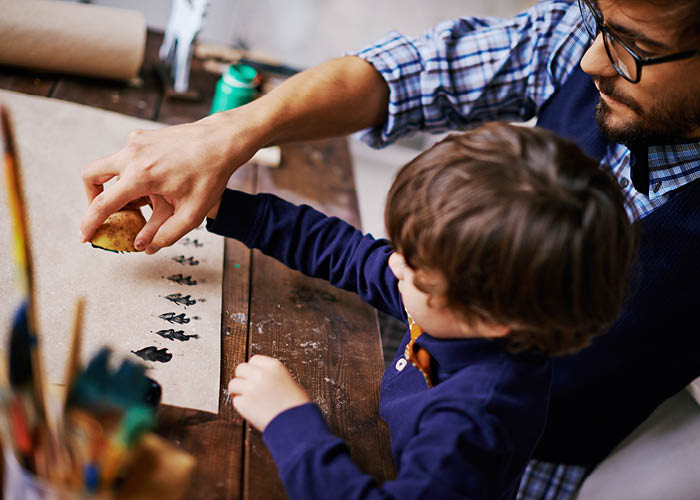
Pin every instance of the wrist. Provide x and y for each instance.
(252, 126)
(214, 210)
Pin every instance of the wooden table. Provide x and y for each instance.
(328, 338)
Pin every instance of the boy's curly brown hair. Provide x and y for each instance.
(527, 231)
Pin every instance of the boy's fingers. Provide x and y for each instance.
(243, 369)
(238, 402)
(261, 360)
(98, 172)
(161, 211)
(235, 386)
(104, 205)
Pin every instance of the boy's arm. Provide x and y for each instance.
(453, 455)
(313, 243)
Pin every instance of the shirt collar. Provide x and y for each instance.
(452, 355)
(657, 169)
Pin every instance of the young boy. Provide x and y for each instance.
(509, 245)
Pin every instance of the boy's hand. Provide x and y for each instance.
(262, 389)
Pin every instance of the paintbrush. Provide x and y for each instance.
(25, 373)
(73, 361)
(23, 257)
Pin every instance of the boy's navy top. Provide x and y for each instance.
(469, 436)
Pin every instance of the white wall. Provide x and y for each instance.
(305, 32)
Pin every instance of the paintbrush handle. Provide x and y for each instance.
(73, 361)
(23, 256)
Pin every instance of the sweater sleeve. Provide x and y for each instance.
(452, 456)
(317, 245)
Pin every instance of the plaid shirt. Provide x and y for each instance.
(466, 71)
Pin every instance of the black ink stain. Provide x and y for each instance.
(176, 335)
(186, 261)
(171, 317)
(181, 300)
(105, 249)
(182, 280)
(300, 296)
(303, 295)
(152, 353)
(188, 241)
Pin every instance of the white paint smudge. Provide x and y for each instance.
(240, 318)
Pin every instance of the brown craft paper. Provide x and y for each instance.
(75, 38)
(125, 293)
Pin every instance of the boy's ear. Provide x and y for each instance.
(486, 330)
(495, 331)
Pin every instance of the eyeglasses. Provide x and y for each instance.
(626, 60)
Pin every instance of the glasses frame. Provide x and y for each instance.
(639, 60)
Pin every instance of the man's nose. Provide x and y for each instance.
(596, 61)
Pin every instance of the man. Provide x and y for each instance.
(640, 85)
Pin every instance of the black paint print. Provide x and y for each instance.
(182, 280)
(186, 261)
(176, 335)
(181, 300)
(301, 296)
(152, 353)
(106, 249)
(171, 317)
(188, 241)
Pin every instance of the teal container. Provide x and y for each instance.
(236, 87)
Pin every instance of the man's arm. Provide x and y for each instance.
(336, 98)
(189, 165)
(462, 72)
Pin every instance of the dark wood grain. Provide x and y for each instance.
(27, 82)
(327, 337)
(140, 98)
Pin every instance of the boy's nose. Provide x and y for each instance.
(596, 61)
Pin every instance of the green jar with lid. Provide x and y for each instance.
(236, 87)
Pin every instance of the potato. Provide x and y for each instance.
(118, 232)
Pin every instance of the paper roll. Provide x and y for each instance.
(64, 37)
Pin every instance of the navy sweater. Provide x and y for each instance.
(470, 436)
(652, 351)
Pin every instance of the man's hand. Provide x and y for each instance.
(183, 169)
(262, 389)
(189, 165)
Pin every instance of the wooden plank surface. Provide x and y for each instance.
(27, 82)
(327, 337)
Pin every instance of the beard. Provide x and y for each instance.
(669, 119)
